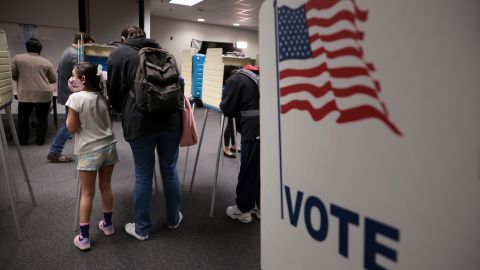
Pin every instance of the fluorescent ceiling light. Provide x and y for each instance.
(200, 20)
(242, 44)
(185, 2)
(236, 24)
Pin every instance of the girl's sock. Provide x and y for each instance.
(84, 230)
(107, 217)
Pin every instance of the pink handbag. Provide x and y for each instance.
(189, 132)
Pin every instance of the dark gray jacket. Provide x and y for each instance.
(241, 99)
(68, 59)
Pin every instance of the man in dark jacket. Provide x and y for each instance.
(241, 99)
(65, 66)
(145, 133)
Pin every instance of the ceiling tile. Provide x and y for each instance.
(220, 12)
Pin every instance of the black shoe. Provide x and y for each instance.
(229, 155)
(233, 150)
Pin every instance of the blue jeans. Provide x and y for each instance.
(143, 150)
(59, 142)
(60, 139)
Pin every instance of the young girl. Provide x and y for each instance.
(89, 119)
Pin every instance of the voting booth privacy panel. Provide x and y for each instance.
(186, 71)
(212, 79)
(6, 90)
(370, 134)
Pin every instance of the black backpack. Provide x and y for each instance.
(157, 89)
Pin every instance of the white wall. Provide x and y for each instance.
(56, 22)
(63, 14)
(109, 17)
(182, 33)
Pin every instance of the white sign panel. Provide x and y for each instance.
(370, 132)
(6, 90)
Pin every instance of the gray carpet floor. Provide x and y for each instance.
(199, 243)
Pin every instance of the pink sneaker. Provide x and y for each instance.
(83, 244)
(107, 230)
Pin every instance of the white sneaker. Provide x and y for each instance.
(130, 229)
(173, 227)
(256, 211)
(234, 213)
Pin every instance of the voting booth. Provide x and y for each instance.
(370, 142)
(6, 159)
(96, 54)
(198, 63)
(186, 71)
(6, 90)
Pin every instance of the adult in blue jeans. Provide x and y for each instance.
(65, 66)
(145, 133)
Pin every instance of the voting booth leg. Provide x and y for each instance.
(185, 166)
(3, 157)
(237, 143)
(186, 155)
(77, 206)
(55, 114)
(20, 156)
(155, 180)
(216, 168)
(155, 172)
(13, 184)
(198, 150)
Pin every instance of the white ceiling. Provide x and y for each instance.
(219, 12)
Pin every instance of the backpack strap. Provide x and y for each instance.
(256, 79)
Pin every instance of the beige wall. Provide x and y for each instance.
(182, 32)
(56, 22)
(109, 17)
(56, 13)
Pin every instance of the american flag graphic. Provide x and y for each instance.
(324, 39)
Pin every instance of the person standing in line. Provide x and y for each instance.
(68, 59)
(241, 99)
(33, 74)
(95, 147)
(229, 147)
(145, 133)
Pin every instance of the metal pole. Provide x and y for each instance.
(159, 171)
(155, 171)
(77, 207)
(186, 155)
(236, 144)
(4, 144)
(20, 156)
(216, 168)
(3, 157)
(199, 146)
(155, 179)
